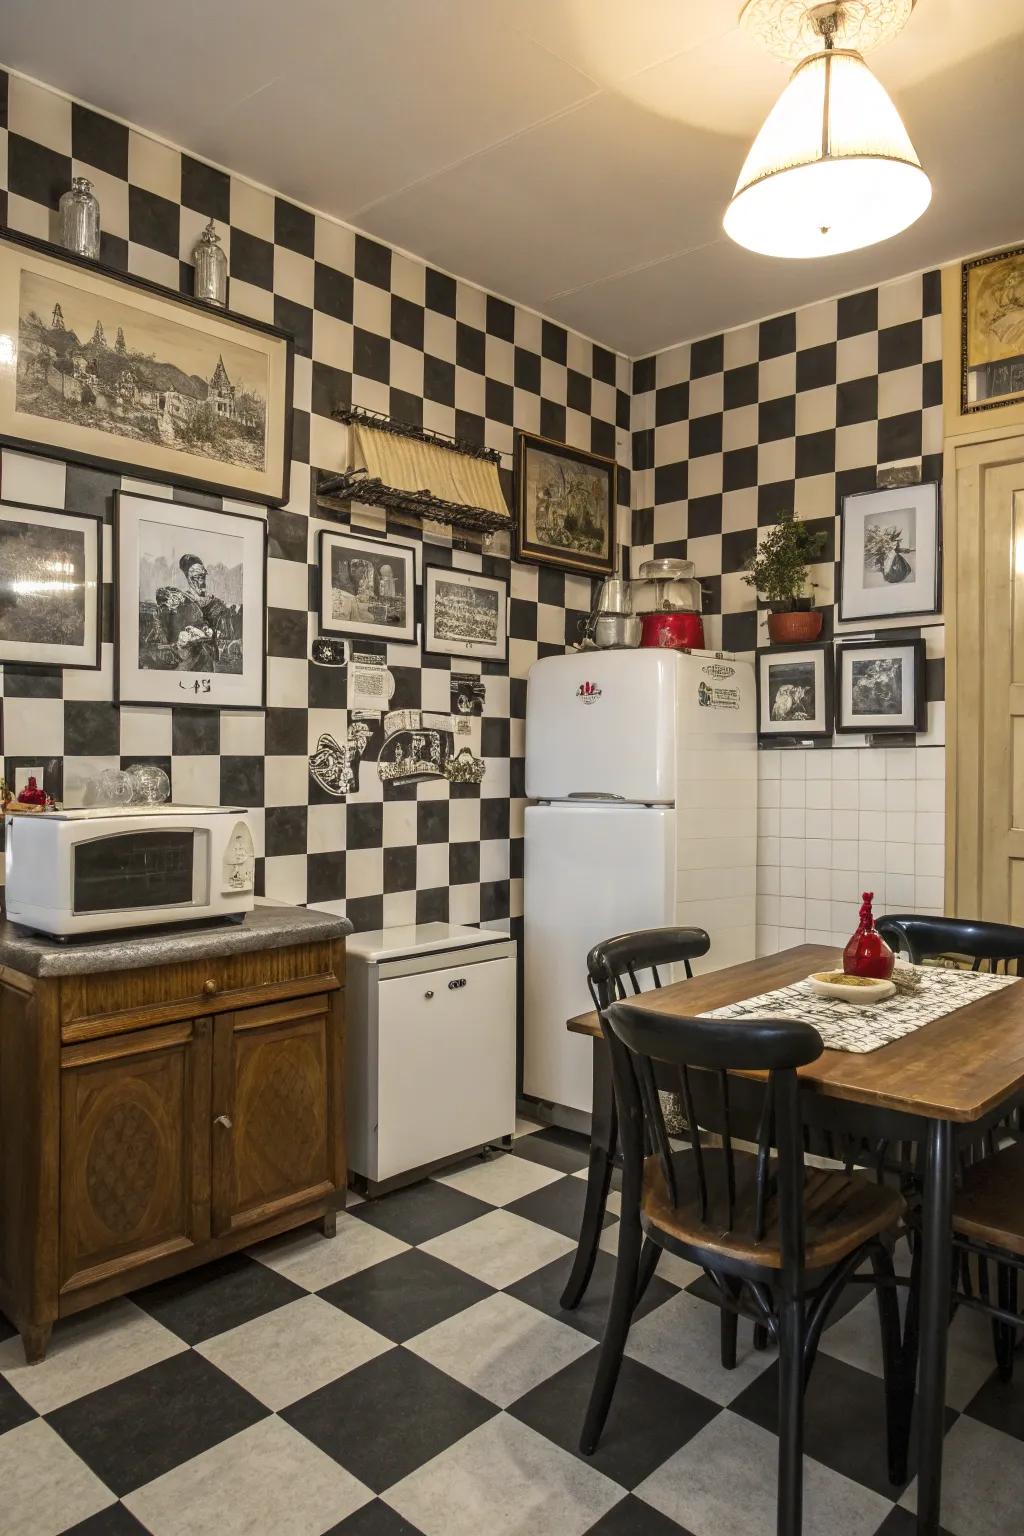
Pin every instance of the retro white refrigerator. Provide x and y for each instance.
(643, 767)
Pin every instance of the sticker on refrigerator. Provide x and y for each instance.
(589, 692)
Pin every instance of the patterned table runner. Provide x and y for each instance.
(863, 1027)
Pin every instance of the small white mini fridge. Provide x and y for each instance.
(643, 764)
(430, 1050)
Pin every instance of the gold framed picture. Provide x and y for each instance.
(565, 506)
(111, 370)
(992, 331)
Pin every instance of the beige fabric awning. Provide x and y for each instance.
(407, 464)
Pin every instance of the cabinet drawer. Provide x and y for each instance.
(112, 1002)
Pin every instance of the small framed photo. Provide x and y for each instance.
(794, 691)
(367, 587)
(565, 506)
(991, 333)
(464, 614)
(51, 587)
(890, 561)
(881, 686)
(191, 588)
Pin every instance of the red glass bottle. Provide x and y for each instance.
(867, 953)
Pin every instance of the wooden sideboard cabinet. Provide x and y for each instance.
(155, 1117)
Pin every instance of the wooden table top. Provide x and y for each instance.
(955, 1068)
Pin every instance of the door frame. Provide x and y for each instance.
(963, 586)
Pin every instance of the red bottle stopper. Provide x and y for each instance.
(867, 953)
(32, 794)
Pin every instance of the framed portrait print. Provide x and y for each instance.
(794, 691)
(115, 371)
(565, 506)
(367, 587)
(51, 587)
(464, 614)
(890, 562)
(992, 331)
(191, 590)
(881, 686)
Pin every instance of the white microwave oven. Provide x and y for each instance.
(88, 871)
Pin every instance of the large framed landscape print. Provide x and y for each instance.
(118, 372)
(51, 585)
(565, 506)
(191, 604)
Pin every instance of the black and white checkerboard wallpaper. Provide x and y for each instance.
(795, 411)
(713, 439)
(373, 328)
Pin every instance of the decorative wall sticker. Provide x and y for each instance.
(417, 745)
(468, 694)
(336, 768)
(328, 652)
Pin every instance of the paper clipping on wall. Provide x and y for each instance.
(336, 768)
(370, 683)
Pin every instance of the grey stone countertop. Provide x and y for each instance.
(266, 927)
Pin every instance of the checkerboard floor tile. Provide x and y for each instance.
(416, 1376)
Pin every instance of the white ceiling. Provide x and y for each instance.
(573, 155)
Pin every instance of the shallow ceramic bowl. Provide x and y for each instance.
(851, 989)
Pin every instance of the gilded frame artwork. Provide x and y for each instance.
(566, 502)
(992, 331)
(111, 370)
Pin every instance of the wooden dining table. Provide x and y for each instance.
(954, 1077)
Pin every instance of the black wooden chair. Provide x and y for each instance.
(632, 956)
(780, 1240)
(988, 1211)
(988, 946)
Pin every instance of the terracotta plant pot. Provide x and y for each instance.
(796, 627)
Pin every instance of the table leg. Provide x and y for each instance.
(936, 1288)
(603, 1137)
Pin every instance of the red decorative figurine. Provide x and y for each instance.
(32, 794)
(867, 953)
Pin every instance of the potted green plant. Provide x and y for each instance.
(778, 572)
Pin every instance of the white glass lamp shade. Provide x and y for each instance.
(832, 169)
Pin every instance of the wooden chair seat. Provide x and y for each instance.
(841, 1211)
(989, 1208)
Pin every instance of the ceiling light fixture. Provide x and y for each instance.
(833, 168)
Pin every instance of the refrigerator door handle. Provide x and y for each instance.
(593, 794)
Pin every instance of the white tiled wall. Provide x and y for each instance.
(832, 824)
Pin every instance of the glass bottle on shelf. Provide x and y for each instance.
(80, 219)
(211, 266)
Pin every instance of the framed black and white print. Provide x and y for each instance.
(565, 506)
(112, 370)
(464, 614)
(794, 691)
(51, 587)
(890, 556)
(881, 686)
(191, 589)
(367, 587)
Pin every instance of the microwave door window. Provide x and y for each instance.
(135, 870)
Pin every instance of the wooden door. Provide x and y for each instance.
(276, 1111)
(985, 679)
(135, 1149)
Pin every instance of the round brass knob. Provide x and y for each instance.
(210, 987)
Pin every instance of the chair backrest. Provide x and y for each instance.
(638, 1037)
(629, 955)
(990, 945)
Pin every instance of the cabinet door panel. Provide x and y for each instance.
(134, 1149)
(272, 1076)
